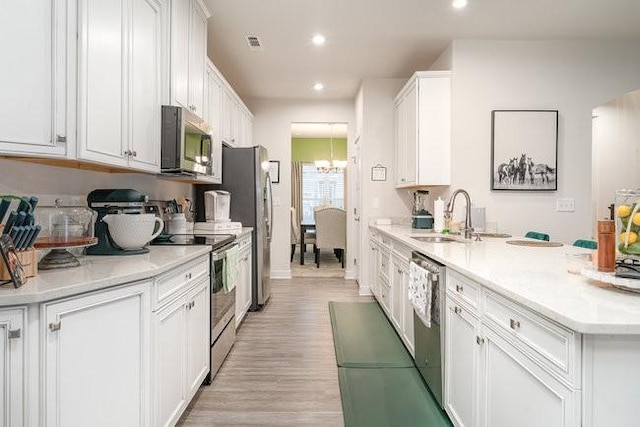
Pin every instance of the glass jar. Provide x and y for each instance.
(65, 226)
(627, 223)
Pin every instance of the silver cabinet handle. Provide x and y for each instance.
(456, 310)
(61, 138)
(134, 153)
(187, 276)
(479, 340)
(55, 326)
(14, 333)
(514, 324)
(459, 288)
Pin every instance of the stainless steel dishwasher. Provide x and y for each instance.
(429, 357)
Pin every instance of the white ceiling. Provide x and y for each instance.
(383, 38)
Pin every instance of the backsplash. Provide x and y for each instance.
(73, 185)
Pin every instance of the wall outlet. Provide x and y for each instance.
(565, 205)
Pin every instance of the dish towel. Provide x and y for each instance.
(230, 269)
(420, 292)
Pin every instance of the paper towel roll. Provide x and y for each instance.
(438, 215)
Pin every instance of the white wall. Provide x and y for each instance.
(571, 76)
(49, 182)
(272, 120)
(378, 198)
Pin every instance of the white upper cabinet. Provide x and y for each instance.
(423, 130)
(120, 82)
(188, 54)
(33, 78)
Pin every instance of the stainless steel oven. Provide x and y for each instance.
(223, 308)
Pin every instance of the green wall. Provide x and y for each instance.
(311, 149)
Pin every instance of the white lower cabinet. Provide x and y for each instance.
(374, 270)
(96, 358)
(243, 287)
(518, 392)
(12, 367)
(181, 351)
(502, 363)
(461, 364)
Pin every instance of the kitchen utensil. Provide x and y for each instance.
(33, 201)
(13, 216)
(33, 236)
(4, 207)
(22, 217)
(133, 231)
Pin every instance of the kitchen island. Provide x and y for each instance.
(525, 342)
(119, 340)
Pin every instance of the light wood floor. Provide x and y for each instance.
(282, 369)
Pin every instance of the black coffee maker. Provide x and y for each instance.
(106, 202)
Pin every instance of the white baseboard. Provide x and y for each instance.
(364, 290)
(280, 274)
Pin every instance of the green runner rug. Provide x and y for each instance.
(364, 338)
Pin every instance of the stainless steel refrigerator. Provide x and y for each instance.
(245, 174)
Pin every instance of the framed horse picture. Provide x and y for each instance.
(524, 150)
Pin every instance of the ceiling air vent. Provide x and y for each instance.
(254, 43)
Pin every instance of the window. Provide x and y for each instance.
(320, 189)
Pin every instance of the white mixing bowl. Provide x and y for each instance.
(133, 231)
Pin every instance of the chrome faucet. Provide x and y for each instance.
(448, 211)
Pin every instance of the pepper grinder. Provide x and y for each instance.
(606, 245)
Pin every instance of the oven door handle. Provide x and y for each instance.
(218, 255)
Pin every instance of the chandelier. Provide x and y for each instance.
(332, 165)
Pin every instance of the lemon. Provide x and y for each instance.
(633, 237)
(636, 218)
(624, 211)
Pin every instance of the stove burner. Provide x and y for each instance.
(214, 240)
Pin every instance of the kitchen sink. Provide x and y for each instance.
(434, 239)
(486, 234)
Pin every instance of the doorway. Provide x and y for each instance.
(319, 171)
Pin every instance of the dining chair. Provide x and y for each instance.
(331, 231)
(537, 235)
(588, 244)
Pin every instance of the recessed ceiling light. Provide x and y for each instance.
(318, 39)
(459, 4)
(318, 87)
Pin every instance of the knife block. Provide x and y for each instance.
(29, 260)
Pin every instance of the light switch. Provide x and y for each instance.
(565, 205)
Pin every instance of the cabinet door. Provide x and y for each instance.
(401, 142)
(197, 55)
(407, 312)
(411, 138)
(102, 67)
(225, 126)
(170, 362)
(461, 365)
(180, 16)
(374, 268)
(398, 300)
(247, 270)
(96, 359)
(535, 397)
(12, 367)
(198, 336)
(145, 86)
(33, 40)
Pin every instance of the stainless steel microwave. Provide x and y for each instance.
(186, 143)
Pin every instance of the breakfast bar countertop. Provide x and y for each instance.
(535, 277)
(98, 272)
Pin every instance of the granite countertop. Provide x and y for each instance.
(536, 278)
(98, 272)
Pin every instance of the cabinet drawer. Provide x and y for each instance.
(170, 285)
(464, 290)
(244, 243)
(385, 263)
(385, 295)
(550, 344)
